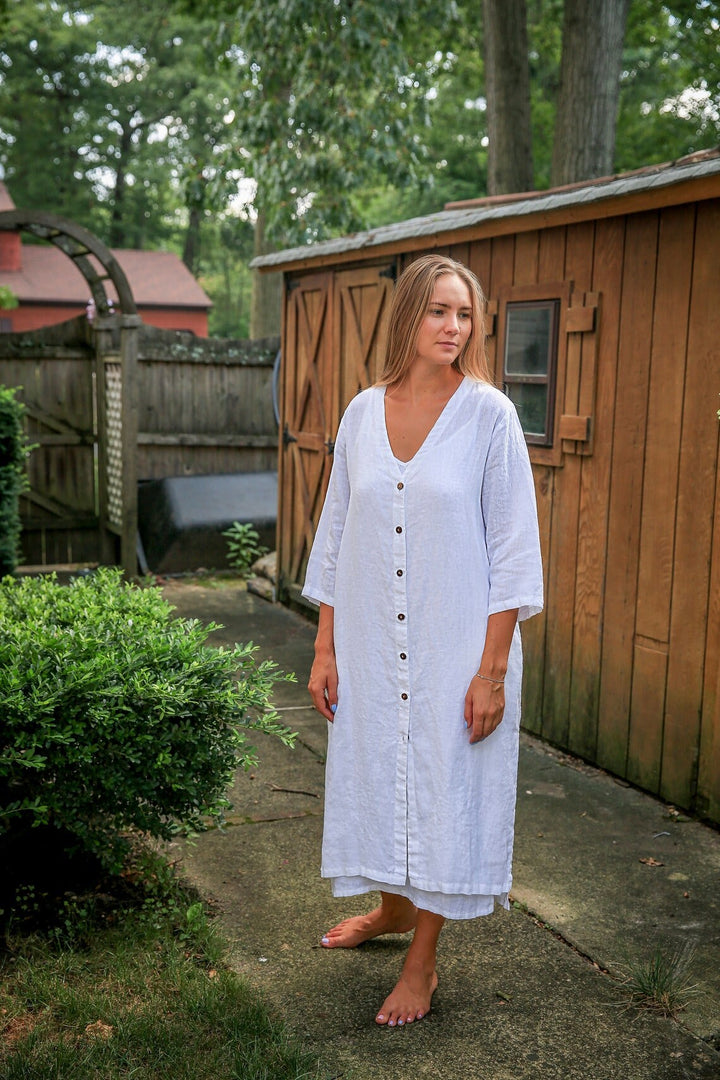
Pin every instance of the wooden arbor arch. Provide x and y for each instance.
(115, 332)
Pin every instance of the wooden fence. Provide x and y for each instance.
(53, 370)
(203, 406)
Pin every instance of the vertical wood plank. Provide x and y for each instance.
(551, 254)
(629, 429)
(660, 477)
(707, 801)
(479, 260)
(594, 497)
(550, 267)
(461, 253)
(502, 267)
(697, 488)
(286, 493)
(534, 630)
(525, 271)
(564, 529)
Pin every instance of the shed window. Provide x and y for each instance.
(530, 361)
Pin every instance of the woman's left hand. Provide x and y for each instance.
(484, 708)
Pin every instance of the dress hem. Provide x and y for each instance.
(450, 905)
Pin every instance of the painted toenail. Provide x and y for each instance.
(325, 939)
(380, 1016)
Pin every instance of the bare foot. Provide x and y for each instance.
(352, 932)
(410, 1000)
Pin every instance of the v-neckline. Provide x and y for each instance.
(431, 433)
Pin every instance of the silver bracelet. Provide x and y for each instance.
(498, 682)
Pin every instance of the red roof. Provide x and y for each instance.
(6, 202)
(157, 279)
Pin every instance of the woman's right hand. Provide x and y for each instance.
(323, 684)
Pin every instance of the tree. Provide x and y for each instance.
(326, 99)
(670, 85)
(224, 273)
(593, 34)
(507, 88)
(108, 112)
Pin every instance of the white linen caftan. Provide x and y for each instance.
(413, 558)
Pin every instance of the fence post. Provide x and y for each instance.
(117, 432)
(129, 327)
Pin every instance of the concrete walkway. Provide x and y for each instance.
(523, 994)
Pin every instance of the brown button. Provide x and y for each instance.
(399, 573)
(401, 617)
(398, 528)
(400, 486)
(404, 697)
(403, 656)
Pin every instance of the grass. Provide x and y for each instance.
(132, 986)
(661, 983)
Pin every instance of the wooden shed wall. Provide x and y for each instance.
(623, 666)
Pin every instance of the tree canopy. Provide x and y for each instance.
(174, 124)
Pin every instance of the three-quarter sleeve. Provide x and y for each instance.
(319, 585)
(510, 515)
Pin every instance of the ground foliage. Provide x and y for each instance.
(124, 977)
(116, 715)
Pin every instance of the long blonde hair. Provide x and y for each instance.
(410, 303)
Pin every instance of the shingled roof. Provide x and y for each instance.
(157, 279)
(571, 202)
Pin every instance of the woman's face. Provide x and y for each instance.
(447, 324)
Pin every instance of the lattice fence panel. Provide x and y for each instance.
(113, 415)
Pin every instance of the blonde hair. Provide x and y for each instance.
(410, 302)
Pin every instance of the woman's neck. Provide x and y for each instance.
(425, 381)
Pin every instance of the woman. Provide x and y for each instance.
(425, 559)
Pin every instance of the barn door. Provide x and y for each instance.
(363, 302)
(306, 421)
(334, 338)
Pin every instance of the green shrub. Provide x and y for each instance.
(117, 716)
(13, 453)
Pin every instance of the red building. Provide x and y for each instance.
(50, 289)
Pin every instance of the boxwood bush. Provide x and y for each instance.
(13, 453)
(116, 716)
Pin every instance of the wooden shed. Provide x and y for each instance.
(603, 326)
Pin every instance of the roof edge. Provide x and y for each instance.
(497, 213)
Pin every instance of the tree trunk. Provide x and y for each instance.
(266, 303)
(117, 224)
(192, 239)
(507, 89)
(592, 42)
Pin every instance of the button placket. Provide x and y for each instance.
(399, 592)
(398, 589)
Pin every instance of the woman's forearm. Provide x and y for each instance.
(325, 637)
(498, 639)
